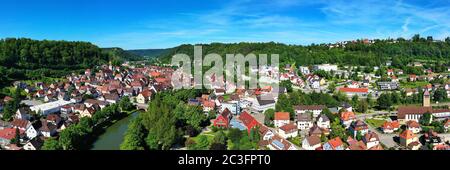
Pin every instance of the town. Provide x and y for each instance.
(319, 107)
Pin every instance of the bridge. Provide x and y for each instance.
(141, 106)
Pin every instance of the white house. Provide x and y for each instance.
(266, 133)
(288, 131)
(304, 70)
(323, 121)
(325, 67)
(263, 103)
(314, 109)
(371, 139)
(281, 119)
(311, 143)
(304, 121)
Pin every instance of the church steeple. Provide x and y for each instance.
(426, 99)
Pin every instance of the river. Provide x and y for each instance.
(113, 136)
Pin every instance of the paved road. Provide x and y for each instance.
(386, 139)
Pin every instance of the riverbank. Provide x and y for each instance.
(113, 135)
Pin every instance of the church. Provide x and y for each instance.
(406, 113)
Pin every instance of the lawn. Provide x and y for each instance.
(375, 122)
(413, 84)
(296, 141)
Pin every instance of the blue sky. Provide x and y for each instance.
(137, 24)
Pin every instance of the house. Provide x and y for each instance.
(334, 144)
(325, 67)
(34, 144)
(413, 126)
(323, 121)
(223, 119)
(47, 129)
(278, 143)
(317, 131)
(23, 113)
(390, 72)
(386, 85)
(53, 118)
(88, 112)
(447, 124)
(347, 118)
(233, 106)
(412, 77)
(371, 139)
(208, 105)
(144, 96)
(219, 92)
(248, 120)
(358, 127)
(288, 131)
(66, 109)
(432, 137)
(25, 126)
(304, 121)
(6, 135)
(281, 118)
(263, 103)
(346, 106)
(410, 92)
(350, 92)
(407, 137)
(357, 145)
(111, 98)
(304, 70)
(390, 127)
(311, 143)
(265, 133)
(314, 109)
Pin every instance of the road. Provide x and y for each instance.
(386, 139)
(375, 113)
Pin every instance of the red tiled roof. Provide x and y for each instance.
(403, 110)
(347, 116)
(9, 133)
(289, 127)
(281, 116)
(407, 134)
(354, 90)
(335, 142)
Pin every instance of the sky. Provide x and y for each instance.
(139, 24)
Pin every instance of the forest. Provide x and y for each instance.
(355, 53)
(33, 59)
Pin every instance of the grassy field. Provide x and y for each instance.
(375, 122)
(296, 141)
(413, 84)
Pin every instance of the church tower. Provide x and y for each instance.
(426, 99)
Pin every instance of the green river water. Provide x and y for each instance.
(113, 136)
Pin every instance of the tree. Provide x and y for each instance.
(287, 84)
(363, 106)
(384, 101)
(337, 130)
(51, 144)
(440, 95)
(125, 104)
(426, 119)
(359, 136)
(134, 136)
(269, 116)
(234, 135)
(355, 101)
(203, 143)
(332, 87)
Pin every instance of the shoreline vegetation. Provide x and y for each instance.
(82, 135)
